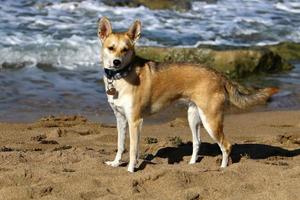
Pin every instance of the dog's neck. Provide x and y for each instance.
(128, 73)
(125, 71)
(117, 74)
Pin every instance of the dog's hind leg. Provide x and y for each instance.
(122, 128)
(194, 122)
(212, 119)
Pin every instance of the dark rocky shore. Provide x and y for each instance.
(236, 62)
(154, 4)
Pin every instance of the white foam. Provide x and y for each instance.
(266, 43)
(253, 19)
(289, 7)
(43, 22)
(64, 33)
(248, 31)
(68, 53)
(69, 6)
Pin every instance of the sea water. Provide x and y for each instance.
(50, 58)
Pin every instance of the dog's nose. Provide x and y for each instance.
(117, 62)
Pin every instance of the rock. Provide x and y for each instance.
(236, 63)
(209, 1)
(14, 66)
(287, 50)
(182, 5)
(47, 67)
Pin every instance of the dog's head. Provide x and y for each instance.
(117, 48)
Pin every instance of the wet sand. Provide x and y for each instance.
(63, 158)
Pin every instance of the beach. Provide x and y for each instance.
(50, 61)
(63, 158)
(57, 129)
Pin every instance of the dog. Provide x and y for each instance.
(137, 87)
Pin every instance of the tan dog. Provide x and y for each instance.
(137, 87)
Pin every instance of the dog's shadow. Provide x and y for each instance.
(251, 151)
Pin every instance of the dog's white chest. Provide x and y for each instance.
(120, 100)
(123, 98)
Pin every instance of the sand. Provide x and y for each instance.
(63, 158)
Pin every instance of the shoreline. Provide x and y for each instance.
(177, 110)
(63, 158)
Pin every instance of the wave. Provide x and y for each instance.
(68, 53)
(63, 33)
(292, 7)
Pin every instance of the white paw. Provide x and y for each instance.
(130, 168)
(223, 166)
(113, 163)
(224, 163)
(192, 162)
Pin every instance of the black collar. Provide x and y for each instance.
(117, 74)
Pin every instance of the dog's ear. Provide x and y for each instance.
(134, 31)
(104, 28)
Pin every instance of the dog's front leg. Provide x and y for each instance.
(122, 128)
(134, 131)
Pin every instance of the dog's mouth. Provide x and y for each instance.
(115, 67)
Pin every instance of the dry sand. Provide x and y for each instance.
(63, 158)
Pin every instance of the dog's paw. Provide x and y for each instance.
(113, 163)
(130, 168)
(192, 162)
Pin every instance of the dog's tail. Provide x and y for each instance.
(244, 99)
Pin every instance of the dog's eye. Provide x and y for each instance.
(125, 50)
(111, 48)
